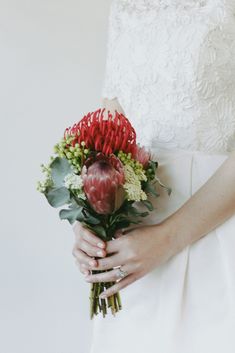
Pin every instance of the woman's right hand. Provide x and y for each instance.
(87, 246)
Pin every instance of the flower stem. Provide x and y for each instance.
(100, 305)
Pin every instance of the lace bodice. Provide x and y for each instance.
(171, 64)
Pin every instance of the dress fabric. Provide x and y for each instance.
(171, 64)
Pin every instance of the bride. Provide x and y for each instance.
(171, 70)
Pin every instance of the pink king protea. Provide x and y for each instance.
(102, 183)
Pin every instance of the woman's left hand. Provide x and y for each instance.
(137, 252)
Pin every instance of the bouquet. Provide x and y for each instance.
(100, 174)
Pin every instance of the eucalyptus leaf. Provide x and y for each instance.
(58, 196)
(72, 215)
(60, 167)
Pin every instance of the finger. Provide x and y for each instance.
(83, 258)
(108, 276)
(114, 246)
(92, 238)
(83, 268)
(91, 250)
(82, 232)
(119, 285)
(109, 262)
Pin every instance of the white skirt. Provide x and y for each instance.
(186, 305)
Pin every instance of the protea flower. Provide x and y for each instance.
(142, 155)
(103, 132)
(102, 183)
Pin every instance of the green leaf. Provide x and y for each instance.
(134, 212)
(124, 224)
(169, 190)
(91, 219)
(60, 167)
(135, 222)
(72, 215)
(153, 165)
(80, 201)
(58, 196)
(149, 188)
(148, 204)
(99, 230)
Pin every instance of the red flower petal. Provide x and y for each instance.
(104, 132)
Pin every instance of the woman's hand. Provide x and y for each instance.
(87, 246)
(138, 252)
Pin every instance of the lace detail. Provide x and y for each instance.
(146, 5)
(173, 71)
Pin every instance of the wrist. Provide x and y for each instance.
(174, 235)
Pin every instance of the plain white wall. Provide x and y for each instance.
(52, 61)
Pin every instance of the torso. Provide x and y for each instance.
(171, 64)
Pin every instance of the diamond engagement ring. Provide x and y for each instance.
(122, 273)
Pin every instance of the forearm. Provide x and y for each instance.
(207, 208)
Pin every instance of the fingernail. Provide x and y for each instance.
(100, 245)
(99, 253)
(102, 296)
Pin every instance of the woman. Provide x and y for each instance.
(171, 69)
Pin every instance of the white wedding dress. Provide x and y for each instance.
(171, 64)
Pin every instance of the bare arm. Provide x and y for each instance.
(209, 207)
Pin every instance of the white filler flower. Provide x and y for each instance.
(73, 182)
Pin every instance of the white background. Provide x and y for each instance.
(52, 61)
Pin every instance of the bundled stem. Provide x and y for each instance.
(113, 302)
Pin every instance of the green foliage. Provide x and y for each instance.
(149, 188)
(58, 196)
(99, 230)
(148, 204)
(75, 153)
(60, 167)
(79, 209)
(72, 215)
(169, 190)
(151, 170)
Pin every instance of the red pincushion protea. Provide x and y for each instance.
(101, 183)
(104, 132)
